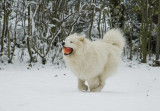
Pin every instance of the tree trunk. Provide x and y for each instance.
(15, 39)
(158, 36)
(91, 26)
(144, 32)
(99, 23)
(3, 31)
(9, 44)
(130, 44)
(29, 35)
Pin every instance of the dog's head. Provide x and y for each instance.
(72, 43)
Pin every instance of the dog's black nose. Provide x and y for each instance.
(63, 43)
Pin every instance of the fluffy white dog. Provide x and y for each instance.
(93, 61)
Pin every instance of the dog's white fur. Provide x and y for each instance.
(94, 61)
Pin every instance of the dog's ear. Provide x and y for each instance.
(81, 38)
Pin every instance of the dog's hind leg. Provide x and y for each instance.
(81, 85)
(100, 85)
(93, 83)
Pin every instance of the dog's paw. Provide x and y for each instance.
(83, 88)
(95, 90)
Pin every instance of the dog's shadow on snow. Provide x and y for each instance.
(102, 92)
(112, 92)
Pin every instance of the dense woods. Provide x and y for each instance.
(32, 30)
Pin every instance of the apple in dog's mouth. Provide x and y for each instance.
(67, 50)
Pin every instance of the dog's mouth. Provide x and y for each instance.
(67, 50)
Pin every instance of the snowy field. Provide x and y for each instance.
(135, 87)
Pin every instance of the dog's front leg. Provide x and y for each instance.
(81, 85)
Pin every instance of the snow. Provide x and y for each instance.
(135, 87)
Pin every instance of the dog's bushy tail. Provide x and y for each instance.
(115, 37)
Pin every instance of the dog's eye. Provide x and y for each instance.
(71, 41)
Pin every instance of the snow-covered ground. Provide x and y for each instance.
(135, 87)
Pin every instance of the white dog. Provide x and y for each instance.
(93, 61)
